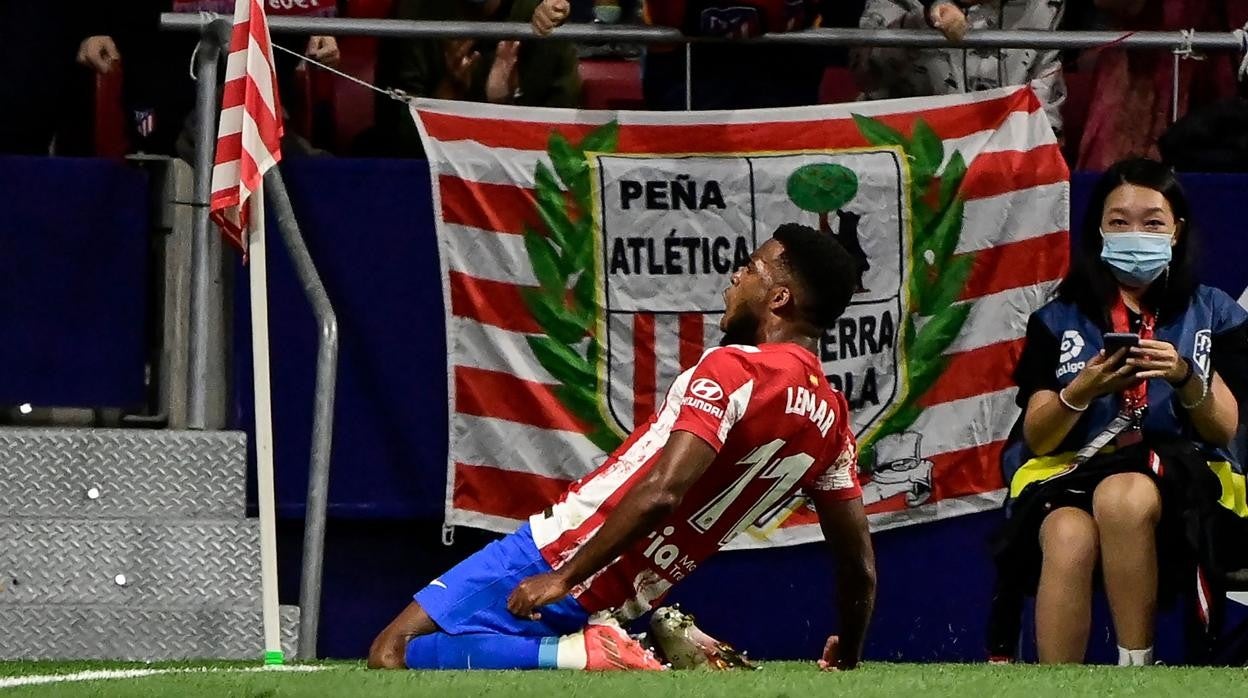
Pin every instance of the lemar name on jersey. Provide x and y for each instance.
(799, 400)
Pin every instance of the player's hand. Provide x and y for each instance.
(535, 592)
(1157, 359)
(949, 19)
(831, 659)
(98, 53)
(1102, 376)
(550, 14)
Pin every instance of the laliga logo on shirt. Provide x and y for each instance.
(706, 389)
(1072, 347)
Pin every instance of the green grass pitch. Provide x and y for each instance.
(788, 679)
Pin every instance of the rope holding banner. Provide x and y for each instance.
(395, 94)
(1183, 52)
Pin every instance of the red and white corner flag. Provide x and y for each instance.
(250, 130)
(247, 146)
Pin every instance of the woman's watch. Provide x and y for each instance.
(1187, 375)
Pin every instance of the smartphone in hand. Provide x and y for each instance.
(1114, 341)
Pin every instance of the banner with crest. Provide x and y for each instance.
(584, 256)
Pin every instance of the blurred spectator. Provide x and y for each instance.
(158, 92)
(885, 72)
(537, 73)
(43, 94)
(734, 76)
(1134, 88)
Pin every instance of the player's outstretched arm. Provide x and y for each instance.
(684, 459)
(844, 524)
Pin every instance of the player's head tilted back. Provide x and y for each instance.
(800, 280)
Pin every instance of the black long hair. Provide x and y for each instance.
(1091, 286)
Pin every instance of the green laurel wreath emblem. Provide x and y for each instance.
(565, 302)
(937, 275)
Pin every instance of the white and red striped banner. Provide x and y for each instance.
(584, 254)
(250, 131)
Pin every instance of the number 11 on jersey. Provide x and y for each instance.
(785, 472)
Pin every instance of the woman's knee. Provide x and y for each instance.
(1127, 500)
(1068, 539)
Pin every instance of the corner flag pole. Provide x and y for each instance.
(259, 287)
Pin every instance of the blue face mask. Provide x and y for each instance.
(1136, 258)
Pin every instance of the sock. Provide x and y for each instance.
(490, 651)
(1128, 657)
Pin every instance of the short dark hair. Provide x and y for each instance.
(824, 270)
(1091, 286)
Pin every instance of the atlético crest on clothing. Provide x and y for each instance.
(585, 255)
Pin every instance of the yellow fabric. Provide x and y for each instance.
(1039, 469)
(1233, 488)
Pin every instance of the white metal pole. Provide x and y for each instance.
(259, 287)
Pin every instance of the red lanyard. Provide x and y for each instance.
(1136, 397)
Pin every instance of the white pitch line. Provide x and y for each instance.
(103, 674)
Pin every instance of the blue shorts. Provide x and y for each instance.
(472, 596)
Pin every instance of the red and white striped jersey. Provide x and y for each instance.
(779, 430)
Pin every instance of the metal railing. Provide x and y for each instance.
(593, 33)
(317, 502)
(207, 326)
(215, 31)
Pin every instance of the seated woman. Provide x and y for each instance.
(1120, 458)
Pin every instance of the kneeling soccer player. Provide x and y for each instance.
(753, 424)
